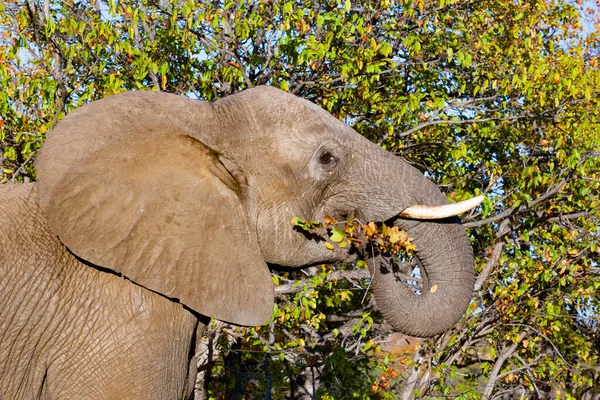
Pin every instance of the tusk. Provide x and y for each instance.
(438, 212)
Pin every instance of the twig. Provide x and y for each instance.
(545, 337)
(348, 275)
(525, 207)
(458, 122)
(494, 257)
(528, 372)
(505, 353)
(22, 167)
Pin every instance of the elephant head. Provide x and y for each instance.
(192, 200)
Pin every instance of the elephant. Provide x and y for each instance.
(154, 212)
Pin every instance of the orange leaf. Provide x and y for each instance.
(370, 229)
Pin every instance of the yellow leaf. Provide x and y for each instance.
(434, 288)
(373, 43)
(385, 230)
(397, 235)
(409, 247)
(370, 229)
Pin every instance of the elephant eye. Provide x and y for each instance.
(327, 159)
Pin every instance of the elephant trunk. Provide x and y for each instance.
(443, 251)
(445, 261)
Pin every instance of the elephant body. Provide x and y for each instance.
(154, 212)
(69, 331)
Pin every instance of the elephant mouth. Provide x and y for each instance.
(313, 235)
(404, 266)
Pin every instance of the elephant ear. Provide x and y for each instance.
(129, 184)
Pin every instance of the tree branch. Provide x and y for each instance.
(458, 122)
(347, 274)
(22, 167)
(494, 256)
(525, 207)
(504, 355)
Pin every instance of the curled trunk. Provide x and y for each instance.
(447, 275)
(402, 194)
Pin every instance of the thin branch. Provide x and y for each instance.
(458, 122)
(137, 41)
(525, 207)
(545, 337)
(528, 372)
(564, 217)
(494, 257)
(512, 371)
(348, 275)
(414, 377)
(504, 355)
(22, 167)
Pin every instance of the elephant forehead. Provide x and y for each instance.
(307, 117)
(293, 142)
(305, 132)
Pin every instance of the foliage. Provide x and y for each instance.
(497, 97)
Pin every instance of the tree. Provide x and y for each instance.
(497, 98)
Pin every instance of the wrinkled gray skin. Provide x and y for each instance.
(153, 210)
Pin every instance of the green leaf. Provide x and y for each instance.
(320, 20)
(298, 221)
(337, 235)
